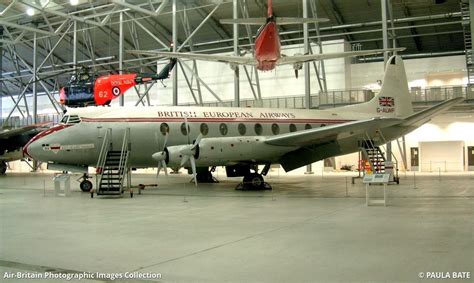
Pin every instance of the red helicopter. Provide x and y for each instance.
(86, 88)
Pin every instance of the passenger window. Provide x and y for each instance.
(275, 129)
(242, 129)
(258, 129)
(223, 129)
(307, 127)
(204, 129)
(293, 128)
(164, 128)
(184, 131)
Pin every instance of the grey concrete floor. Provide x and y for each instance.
(307, 230)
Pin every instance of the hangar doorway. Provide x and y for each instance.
(470, 158)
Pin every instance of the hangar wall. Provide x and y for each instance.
(424, 72)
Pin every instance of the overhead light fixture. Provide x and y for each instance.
(74, 2)
(30, 12)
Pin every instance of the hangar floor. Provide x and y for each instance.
(306, 230)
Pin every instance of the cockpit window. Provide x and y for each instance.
(64, 119)
(74, 119)
(70, 119)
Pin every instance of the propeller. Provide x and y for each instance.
(161, 156)
(188, 152)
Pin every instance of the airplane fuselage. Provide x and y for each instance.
(230, 135)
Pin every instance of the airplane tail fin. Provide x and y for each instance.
(394, 99)
(270, 8)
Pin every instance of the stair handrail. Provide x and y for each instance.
(368, 142)
(124, 156)
(104, 149)
(391, 152)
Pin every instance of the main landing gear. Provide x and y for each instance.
(3, 167)
(85, 185)
(204, 175)
(254, 180)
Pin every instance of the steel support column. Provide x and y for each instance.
(236, 53)
(383, 4)
(307, 78)
(35, 92)
(471, 16)
(122, 98)
(1, 71)
(175, 45)
(74, 45)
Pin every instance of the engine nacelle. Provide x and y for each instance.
(174, 155)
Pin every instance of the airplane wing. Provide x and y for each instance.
(295, 59)
(325, 134)
(206, 57)
(279, 21)
(7, 133)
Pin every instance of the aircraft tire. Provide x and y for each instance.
(254, 181)
(86, 186)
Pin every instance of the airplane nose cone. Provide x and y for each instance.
(33, 150)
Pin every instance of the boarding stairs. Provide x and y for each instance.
(466, 26)
(112, 166)
(375, 155)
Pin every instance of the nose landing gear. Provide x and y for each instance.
(85, 185)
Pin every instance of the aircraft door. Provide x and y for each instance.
(470, 158)
(101, 132)
(414, 158)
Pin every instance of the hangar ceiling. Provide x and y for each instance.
(424, 27)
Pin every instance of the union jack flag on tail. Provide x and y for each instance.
(386, 101)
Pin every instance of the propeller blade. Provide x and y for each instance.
(185, 159)
(165, 142)
(158, 169)
(197, 141)
(193, 166)
(187, 128)
(165, 168)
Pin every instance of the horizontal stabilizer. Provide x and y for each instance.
(424, 116)
(295, 59)
(278, 21)
(206, 57)
(295, 21)
(247, 21)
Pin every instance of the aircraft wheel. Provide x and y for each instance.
(86, 186)
(3, 168)
(254, 180)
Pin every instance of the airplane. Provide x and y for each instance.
(238, 138)
(267, 46)
(12, 141)
(87, 89)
